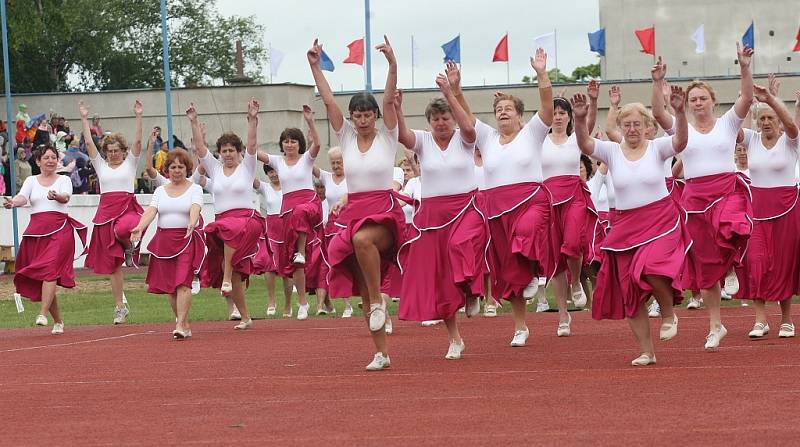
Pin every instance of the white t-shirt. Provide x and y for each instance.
(326, 210)
(296, 177)
(160, 180)
(399, 176)
(519, 161)
(636, 183)
(119, 179)
(271, 200)
(561, 159)
(234, 191)
(174, 212)
(370, 170)
(449, 171)
(480, 178)
(712, 153)
(774, 167)
(412, 189)
(333, 191)
(602, 190)
(37, 194)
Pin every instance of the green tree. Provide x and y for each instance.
(587, 72)
(555, 75)
(60, 45)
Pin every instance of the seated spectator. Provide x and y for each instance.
(22, 167)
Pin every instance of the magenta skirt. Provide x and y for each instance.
(771, 267)
(649, 240)
(444, 259)
(720, 222)
(46, 253)
(363, 208)
(117, 214)
(573, 220)
(599, 232)
(301, 212)
(239, 229)
(519, 225)
(675, 187)
(315, 268)
(174, 259)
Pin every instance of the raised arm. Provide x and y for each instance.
(789, 126)
(614, 98)
(539, 64)
(580, 109)
(91, 148)
(334, 112)
(677, 100)
(454, 77)
(465, 125)
(197, 132)
(252, 126)
(592, 91)
(148, 155)
(313, 137)
(406, 136)
(389, 114)
(742, 104)
(660, 113)
(138, 110)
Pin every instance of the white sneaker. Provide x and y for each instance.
(226, 287)
(731, 283)
(120, 315)
(520, 337)
(58, 328)
(270, 311)
(579, 297)
(347, 312)
(564, 328)
(377, 317)
(759, 330)
(455, 350)
(388, 326)
(542, 307)
(195, 287)
(489, 310)
(531, 288)
(379, 362)
(668, 331)
(725, 296)
(644, 360)
(787, 330)
(298, 259)
(235, 315)
(41, 320)
(429, 323)
(473, 306)
(694, 304)
(654, 310)
(714, 337)
(302, 312)
(244, 325)
(539, 295)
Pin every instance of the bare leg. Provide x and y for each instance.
(640, 325)
(518, 308)
(368, 244)
(378, 337)
(173, 303)
(288, 284)
(561, 290)
(712, 299)
(452, 329)
(116, 287)
(301, 244)
(786, 311)
(574, 265)
(54, 311)
(184, 302)
(227, 266)
(662, 291)
(322, 298)
(48, 295)
(237, 294)
(271, 298)
(761, 311)
(299, 278)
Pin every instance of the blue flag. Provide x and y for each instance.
(325, 62)
(452, 50)
(749, 37)
(597, 41)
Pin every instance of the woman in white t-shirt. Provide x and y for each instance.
(118, 211)
(370, 218)
(517, 204)
(772, 262)
(177, 249)
(647, 244)
(47, 249)
(716, 197)
(233, 237)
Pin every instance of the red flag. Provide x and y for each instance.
(356, 55)
(797, 44)
(647, 38)
(501, 52)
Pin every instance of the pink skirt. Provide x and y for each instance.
(46, 253)
(174, 259)
(649, 240)
(445, 258)
(239, 229)
(601, 229)
(271, 244)
(573, 218)
(117, 214)
(315, 269)
(675, 187)
(519, 225)
(301, 212)
(771, 267)
(720, 222)
(363, 208)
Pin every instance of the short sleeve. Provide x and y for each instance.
(484, 133)
(469, 147)
(419, 136)
(731, 121)
(154, 200)
(27, 187)
(160, 180)
(210, 164)
(604, 151)
(663, 147)
(595, 184)
(398, 175)
(749, 134)
(250, 162)
(392, 134)
(197, 195)
(791, 143)
(346, 134)
(538, 128)
(326, 178)
(64, 185)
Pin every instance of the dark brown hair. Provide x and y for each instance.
(293, 133)
(42, 149)
(232, 139)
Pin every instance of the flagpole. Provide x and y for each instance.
(555, 56)
(367, 47)
(412, 61)
(165, 56)
(11, 127)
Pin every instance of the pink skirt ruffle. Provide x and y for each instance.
(573, 219)
(117, 214)
(174, 259)
(240, 229)
(301, 212)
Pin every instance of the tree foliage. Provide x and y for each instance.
(580, 74)
(63, 45)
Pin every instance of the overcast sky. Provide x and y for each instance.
(291, 27)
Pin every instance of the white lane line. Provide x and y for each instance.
(74, 343)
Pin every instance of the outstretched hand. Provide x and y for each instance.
(774, 84)
(308, 114)
(593, 90)
(138, 108)
(252, 108)
(453, 74)
(580, 105)
(398, 99)
(539, 61)
(615, 95)
(191, 112)
(386, 49)
(444, 84)
(8, 203)
(761, 93)
(744, 55)
(677, 98)
(136, 235)
(83, 108)
(659, 70)
(314, 53)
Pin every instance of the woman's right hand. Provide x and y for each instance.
(339, 206)
(83, 108)
(659, 70)
(191, 112)
(136, 235)
(8, 203)
(314, 53)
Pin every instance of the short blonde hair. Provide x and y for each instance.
(630, 109)
(701, 84)
(518, 104)
(114, 138)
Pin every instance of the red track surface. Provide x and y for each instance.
(302, 383)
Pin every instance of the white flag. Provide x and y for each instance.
(275, 59)
(547, 42)
(699, 39)
(414, 53)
